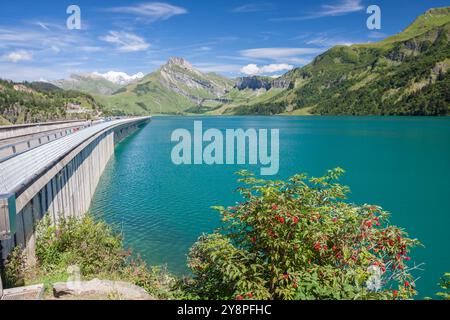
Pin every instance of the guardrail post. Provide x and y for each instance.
(7, 226)
(7, 216)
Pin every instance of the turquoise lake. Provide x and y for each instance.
(401, 164)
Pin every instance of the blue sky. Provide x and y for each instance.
(230, 37)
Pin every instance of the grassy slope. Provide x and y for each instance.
(389, 83)
(431, 19)
(355, 79)
(151, 95)
(147, 96)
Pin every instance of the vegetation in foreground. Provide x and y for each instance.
(294, 239)
(94, 248)
(298, 240)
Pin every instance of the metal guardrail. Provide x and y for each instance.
(23, 130)
(15, 171)
(37, 124)
(10, 150)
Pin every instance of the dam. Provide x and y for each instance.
(57, 178)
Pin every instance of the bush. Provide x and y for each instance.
(14, 271)
(157, 281)
(299, 240)
(98, 252)
(89, 244)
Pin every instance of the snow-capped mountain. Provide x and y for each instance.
(121, 78)
(98, 83)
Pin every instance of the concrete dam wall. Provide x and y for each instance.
(60, 180)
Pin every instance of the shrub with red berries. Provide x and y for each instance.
(299, 239)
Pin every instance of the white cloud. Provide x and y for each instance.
(239, 58)
(55, 49)
(271, 68)
(377, 35)
(253, 69)
(126, 42)
(19, 72)
(299, 61)
(253, 7)
(90, 48)
(250, 69)
(329, 42)
(43, 25)
(71, 63)
(277, 53)
(10, 37)
(19, 55)
(219, 68)
(153, 10)
(40, 40)
(341, 8)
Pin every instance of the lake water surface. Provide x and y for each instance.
(402, 164)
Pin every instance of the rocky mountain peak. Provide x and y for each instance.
(181, 62)
(439, 11)
(256, 83)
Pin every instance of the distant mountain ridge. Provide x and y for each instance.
(97, 83)
(89, 83)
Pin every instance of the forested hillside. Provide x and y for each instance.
(38, 102)
(403, 75)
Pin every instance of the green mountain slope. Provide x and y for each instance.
(431, 19)
(40, 102)
(406, 74)
(174, 88)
